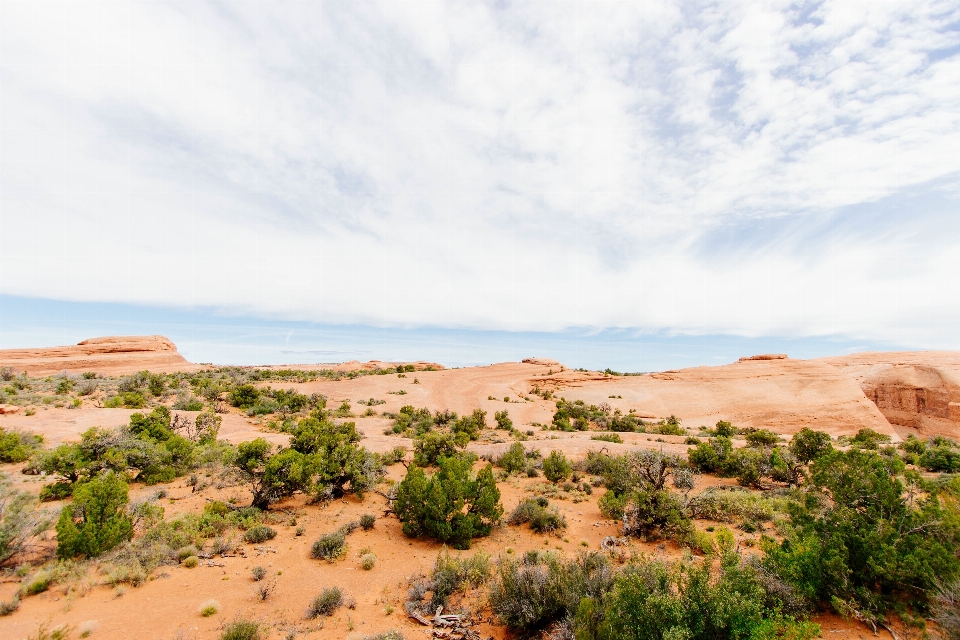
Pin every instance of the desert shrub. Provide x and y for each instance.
(428, 450)
(191, 561)
(946, 608)
(367, 561)
(657, 600)
(326, 603)
(188, 402)
(807, 445)
(392, 634)
(244, 396)
(450, 575)
(96, 521)
(503, 420)
(514, 459)
(323, 459)
(329, 546)
(762, 438)
(668, 427)
(867, 438)
(86, 387)
(608, 437)
(128, 400)
(258, 573)
(655, 514)
(259, 533)
(861, 539)
(420, 421)
(9, 606)
(17, 446)
(469, 427)
(556, 467)
(453, 505)
(530, 593)
(729, 506)
(209, 608)
(242, 630)
(367, 521)
(542, 516)
(710, 456)
(20, 522)
(393, 456)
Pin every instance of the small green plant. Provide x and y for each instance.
(242, 630)
(367, 521)
(326, 603)
(608, 437)
(259, 534)
(190, 562)
(258, 573)
(209, 608)
(367, 561)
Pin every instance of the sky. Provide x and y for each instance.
(649, 184)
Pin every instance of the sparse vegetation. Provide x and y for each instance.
(326, 603)
(242, 630)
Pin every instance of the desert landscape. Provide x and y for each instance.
(346, 549)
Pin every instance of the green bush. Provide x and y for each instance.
(807, 445)
(128, 400)
(428, 450)
(762, 438)
(244, 396)
(861, 540)
(451, 506)
(503, 420)
(367, 521)
(867, 438)
(326, 603)
(260, 533)
(17, 446)
(556, 467)
(469, 427)
(514, 459)
(96, 521)
(323, 459)
(655, 600)
(608, 437)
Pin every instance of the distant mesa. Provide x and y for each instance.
(111, 354)
(545, 362)
(765, 356)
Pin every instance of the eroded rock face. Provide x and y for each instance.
(918, 391)
(112, 354)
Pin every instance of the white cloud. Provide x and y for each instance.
(520, 165)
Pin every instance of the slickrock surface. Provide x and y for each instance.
(112, 355)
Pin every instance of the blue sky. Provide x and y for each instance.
(666, 183)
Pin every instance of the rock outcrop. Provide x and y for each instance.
(113, 355)
(917, 392)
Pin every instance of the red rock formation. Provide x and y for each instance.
(114, 355)
(918, 392)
